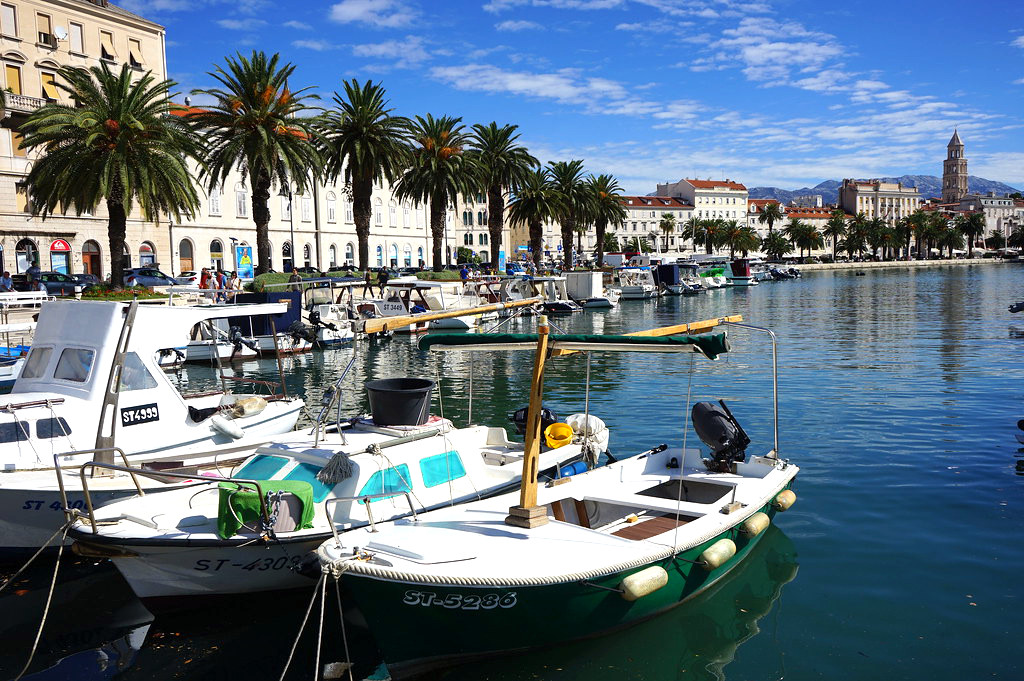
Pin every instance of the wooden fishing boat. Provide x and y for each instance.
(595, 552)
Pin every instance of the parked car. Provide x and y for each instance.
(86, 279)
(309, 270)
(56, 284)
(189, 278)
(147, 276)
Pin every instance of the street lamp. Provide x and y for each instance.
(286, 190)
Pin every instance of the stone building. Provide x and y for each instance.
(954, 171)
(875, 198)
(726, 199)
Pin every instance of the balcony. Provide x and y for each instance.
(23, 103)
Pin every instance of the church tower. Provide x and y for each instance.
(954, 171)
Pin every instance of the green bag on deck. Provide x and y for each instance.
(245, 504)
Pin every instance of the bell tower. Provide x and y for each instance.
(954, 171)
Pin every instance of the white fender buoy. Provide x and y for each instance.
(784, 500)
(226, 427)
(639, 584)
(716, 555)
(755, 524)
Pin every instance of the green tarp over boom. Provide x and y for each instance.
(245, 504)
(709, 344)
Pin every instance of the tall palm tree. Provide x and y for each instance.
(363, 141)
(503, 164)
(667, 225)
(918, 222)
(835, 228)
(439, 171)
(690, 230)
(567, 179)
(606, 207)
(1016, 237)
(748, 240)
(116, 143)
(534, 202)
(972, 226)
(857, 232)
(709, 233)
(776, 245)
(936, 227)
(731, 235)
(257, 124)
(876, 235)
(771, 213)
(902, 233)
(951, 238)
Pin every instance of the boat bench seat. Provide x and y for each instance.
(639, 502)
(499, 456)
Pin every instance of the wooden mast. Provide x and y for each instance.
(527, 514)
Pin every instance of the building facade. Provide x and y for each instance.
(954, 171)
(878, 199)
(38, 37)
(1001, 212)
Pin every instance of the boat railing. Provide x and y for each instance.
(79, 452)
(32, 403)
(156, 475)
(775, 376)
(366, 499)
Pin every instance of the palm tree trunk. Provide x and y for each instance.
(117, 220)
(495, 218)
(362, 191)
(261, 216)
(437, 206)
(536, 245)
(599, 228)
(568, 229)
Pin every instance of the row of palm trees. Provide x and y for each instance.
(117, 142)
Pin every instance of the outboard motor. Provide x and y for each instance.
(316, 321)
(236, 339)
(518, 417)
(719, 430)
(299, 331)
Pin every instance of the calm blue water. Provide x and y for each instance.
(899, 396)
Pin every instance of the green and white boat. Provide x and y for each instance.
(586, 555)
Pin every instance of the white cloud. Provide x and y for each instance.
(406, 53)
(241, 24)
(518, 26)
(1019, 81)
(297, 25)
(376, 13)
(1018, 41)
(316, 45)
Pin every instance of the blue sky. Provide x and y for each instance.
(766, 92)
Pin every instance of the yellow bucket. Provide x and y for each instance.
(558, 435)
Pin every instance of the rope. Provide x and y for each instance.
(62, 528)
(682, 462)
(302, 628)
(49, 599)
(344, 635)
(320, 633)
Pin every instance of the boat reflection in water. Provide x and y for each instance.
(95, 627)
(694, 641)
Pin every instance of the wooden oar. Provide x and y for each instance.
(392, 323)
(677, 329)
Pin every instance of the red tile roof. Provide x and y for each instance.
(661, 202)
(798, 212)
(716, 184)
(761, 203)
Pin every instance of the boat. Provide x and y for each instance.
(285, 333)
(250, 532)
(92, 388)
(588, 291)
(677, 278)
(740, 273)
(552, 291)
(17, 338)
(604, 549)
(408, 297)
(636, 283)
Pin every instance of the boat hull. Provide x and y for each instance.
(458, 623)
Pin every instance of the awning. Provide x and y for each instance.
(708, 344)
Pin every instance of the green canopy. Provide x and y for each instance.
(240, 504)
(708, 344)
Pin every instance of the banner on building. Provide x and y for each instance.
(501, 261)
(243, 262)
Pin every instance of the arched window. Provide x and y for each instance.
(217, 254)
(127, 257)
(378, 212)
(467, 218)
(467, 239)
(380, 256)
(350, 254)
(408, 255)
(286, 257)
(147, 254)
(348, 210)
(185, 257)
(307, 255)
(394, 255)
(333, 254)
(406, 216)
(419, 255)
(26, 254)
(91, 263)
(481, 218)
(482, 240)
(241, 201)
(332, 204)
(393, 214)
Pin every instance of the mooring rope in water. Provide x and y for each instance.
(49, 599)
(63, 528)
(302, 628)
(344, 634)
(320, 631)
(682, 459)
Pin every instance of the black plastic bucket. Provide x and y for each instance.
(400, 401)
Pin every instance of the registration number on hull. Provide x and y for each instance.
(144, 413)
(459, 601)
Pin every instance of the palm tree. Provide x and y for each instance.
(567, 179)
(606, 204)
(776, 245)
(1016, 238)
(439, 171)
(116, 143)
(835, 228)
(950, 238)
(796, 231)
(936, 227)
(918, 222)
(667, 225)
(709, 233)
(503, 165)
(857, 232)
(690, 230)
(748, 240)
(902, 233)
(996, 239)
(972, 226)
(771, 213)
(534, 202)
(731, 235)
(876, 229)
(257, 124)
(366, 144)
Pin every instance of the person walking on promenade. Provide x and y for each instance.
(6, 283)
(382, 280)
(367, 284)
(295, 280)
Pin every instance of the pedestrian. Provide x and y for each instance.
(211, 288)
(222, 284)
(234, 285)
(6, 283)
(32, 273)
(464, 273)
(367, 284)
(295, 280)
(382, 280)
(203, 276)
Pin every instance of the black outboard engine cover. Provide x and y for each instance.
(719, 430)
(547, 417)
(299, 331)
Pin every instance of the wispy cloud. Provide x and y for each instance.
(1018, 41)
(241, 24)
(769, 51)
(404, 54)
(316, 45)
(376, 13)
(297, 25)
(520, 25)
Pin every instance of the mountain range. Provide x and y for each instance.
(927, 185)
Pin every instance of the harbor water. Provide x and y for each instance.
(899, 394)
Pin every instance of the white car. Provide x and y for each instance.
(188, 279)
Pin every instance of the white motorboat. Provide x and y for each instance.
(92, 383)
(17, 338)
(587, 289)
(249, 533)
(740, 273)
(636, 283)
